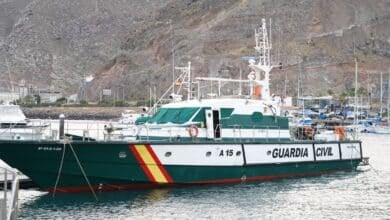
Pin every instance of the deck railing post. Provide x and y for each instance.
(4, 201)
(5, 186)
(170, 135)
(254, 133)
(267, 128)
(62, 126)
(147, 132)
(9, 209)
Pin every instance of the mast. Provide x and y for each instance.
(299, 81)
(388, 98)
(9, 75)
(189, 86)
(185, 79)
(173, 60)
(381, 95)
(263, 47)
(285, 85)
(240, 84)
(356, 85)
(368, 91)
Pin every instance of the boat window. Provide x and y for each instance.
(141, 120)
(158, 115)
(173, 115)
(200, 117)
(226, 112)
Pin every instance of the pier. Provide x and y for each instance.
(9, 199)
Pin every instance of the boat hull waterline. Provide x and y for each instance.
(122, 165)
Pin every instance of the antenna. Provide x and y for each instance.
(186, 79)
(240, 85)
(381, 95)
(9, 75)
(189, 87)
(299, 77)
(263, 47)
(285, 85)
(173, 59)
(388, 99)
(356, 85)
(270, 32)
(279, 39)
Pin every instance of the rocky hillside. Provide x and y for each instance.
(127, 45)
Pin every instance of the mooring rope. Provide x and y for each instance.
(369, 164)
(60, 169)
(375, 171)
(82, 170)
(66, 141)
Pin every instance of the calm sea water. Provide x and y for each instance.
(343, 195)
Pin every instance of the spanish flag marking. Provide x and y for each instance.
(150, 164)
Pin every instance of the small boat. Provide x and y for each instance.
(15, 126)
(371, 126)
(376, 129)
(128, 117)
(207, 138)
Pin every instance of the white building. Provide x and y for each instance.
(48, 96)
(8, 97)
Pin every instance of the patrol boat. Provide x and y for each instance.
(205, 139)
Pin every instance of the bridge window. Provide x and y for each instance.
(173, 115)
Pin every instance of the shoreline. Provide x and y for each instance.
(77, 113)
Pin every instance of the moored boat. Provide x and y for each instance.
(200, 140)
(14, 124)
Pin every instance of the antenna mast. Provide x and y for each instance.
(9, 75)
(381, 96)
(263, 47)
(388, 99)
(186, 79)
(173, 60)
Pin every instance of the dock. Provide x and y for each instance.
(9, 198)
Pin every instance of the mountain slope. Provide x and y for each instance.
(127, 44)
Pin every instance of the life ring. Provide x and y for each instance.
(193, 131)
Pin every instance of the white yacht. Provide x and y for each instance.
(15, 126)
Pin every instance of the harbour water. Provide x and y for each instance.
(363, 194)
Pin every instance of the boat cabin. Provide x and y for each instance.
(215, 119)
(11, 116)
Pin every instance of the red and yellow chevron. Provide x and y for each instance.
(150, 163)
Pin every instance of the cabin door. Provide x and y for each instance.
(213, 126)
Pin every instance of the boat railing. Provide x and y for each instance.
(147, 132)
(30, 131)
(237, 128)
(258, 132)
(9, 199)
(259, 129)
(85, 130)
(49, 130)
